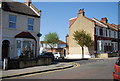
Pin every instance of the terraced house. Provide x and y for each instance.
(104, 35)
(20, 24)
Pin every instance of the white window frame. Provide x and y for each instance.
(24, 39)
(12, 21)
(108, 33)
(104, 32)
(30, 24)
(97, 31)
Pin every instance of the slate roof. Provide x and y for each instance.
(18, 7)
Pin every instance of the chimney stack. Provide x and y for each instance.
(104, 20)
(28, 2)
(81, 11)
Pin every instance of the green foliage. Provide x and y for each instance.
(82, 38)
(51, 39)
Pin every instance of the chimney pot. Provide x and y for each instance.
(28, 2)
(81, 11)
(104, 20)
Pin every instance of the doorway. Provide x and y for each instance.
(5, 49)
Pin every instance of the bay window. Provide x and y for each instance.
(26, 47)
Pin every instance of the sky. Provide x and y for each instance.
(55, 15)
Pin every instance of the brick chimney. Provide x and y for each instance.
(28, 2)
(104, 20)
(81, 11)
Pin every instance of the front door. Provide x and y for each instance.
(5, 49)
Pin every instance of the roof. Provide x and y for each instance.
(25, 35)
(118, 25)
(72, 20)
(60, 42)
(18, 7)
(98, 23)
(88, 19)
(112, 26)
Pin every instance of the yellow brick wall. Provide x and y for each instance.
(81, 23)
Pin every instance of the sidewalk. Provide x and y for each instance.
(36, 69)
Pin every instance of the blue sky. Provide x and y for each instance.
(55, 15)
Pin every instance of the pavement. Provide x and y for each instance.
(36, 69)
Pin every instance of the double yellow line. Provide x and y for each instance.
(75, 66)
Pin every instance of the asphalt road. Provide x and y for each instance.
(89, 69)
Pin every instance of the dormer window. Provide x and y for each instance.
(12, 21)
(30, 23)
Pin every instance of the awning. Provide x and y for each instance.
(25, 35)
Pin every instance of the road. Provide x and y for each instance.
(90, 70)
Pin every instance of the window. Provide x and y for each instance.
(104, 32)
(18, 44)
(101, 31)
(110, 33)
(12, 21)
(116, 34)
(30, 23)
(97, 32)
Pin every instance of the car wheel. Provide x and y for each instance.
(57, 57)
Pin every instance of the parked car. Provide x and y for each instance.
(47, 54)
(116, 72)
(57, 55)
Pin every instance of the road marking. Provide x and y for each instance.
(76, 65)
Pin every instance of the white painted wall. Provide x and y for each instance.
(21, 25)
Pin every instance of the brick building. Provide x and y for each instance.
(104, 35)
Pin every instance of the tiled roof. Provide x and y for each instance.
(88, 19)
(118, 25)
(113, 26)
(18, 7)
(25, 35)
(98, 23)
(72, 20)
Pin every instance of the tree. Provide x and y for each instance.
(83, 39)
(51, 39)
